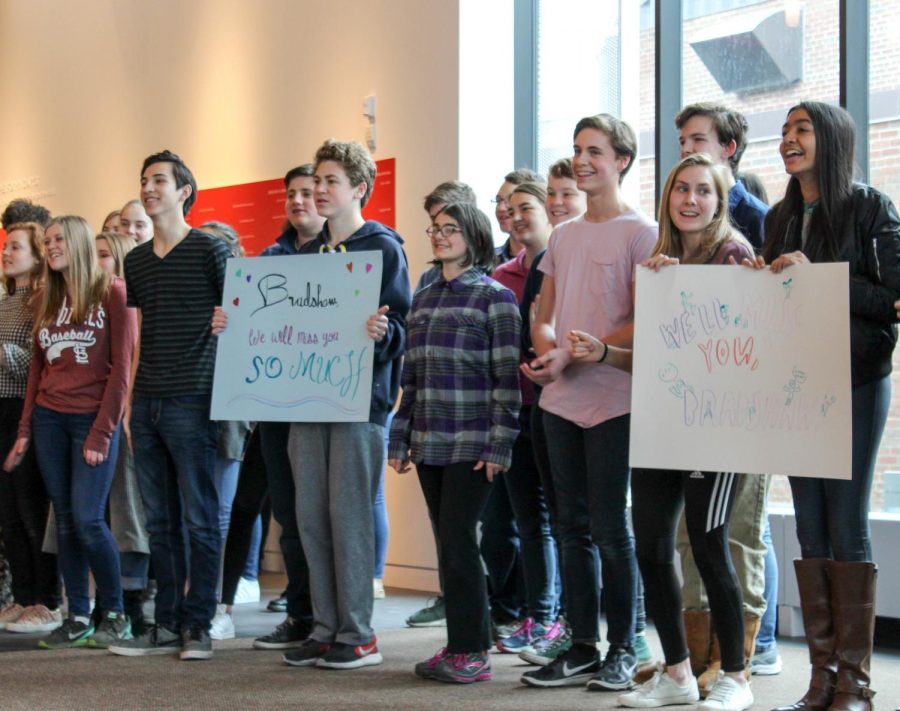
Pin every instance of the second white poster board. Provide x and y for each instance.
(742, 370)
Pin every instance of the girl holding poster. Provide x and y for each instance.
(693, 229)
(458, 420)
(84, 338)
(826, 217)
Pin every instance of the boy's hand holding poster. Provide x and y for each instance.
(742, 370)
(296, 348)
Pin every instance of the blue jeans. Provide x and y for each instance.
(382, 525)
(833, 514)
(590, 478)
(765, 639)
(537, 549)
(79, 493)
(175, 458)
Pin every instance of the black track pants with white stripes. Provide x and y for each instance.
(658, 497)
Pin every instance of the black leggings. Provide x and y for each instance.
(658, 497)
(251, 493)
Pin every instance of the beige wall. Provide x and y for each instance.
(242, 91)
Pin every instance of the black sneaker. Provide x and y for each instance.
(72, 633)
(289, 634)
(195, 644)
(278, 604)
(347, 656)
(155, 640)
(307, 654)
(114, 627)
(617, 671)
(575, 666)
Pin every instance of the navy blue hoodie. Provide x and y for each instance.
(395, 293)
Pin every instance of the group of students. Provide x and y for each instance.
(515, 367)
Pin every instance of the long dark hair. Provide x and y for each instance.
(835, 141)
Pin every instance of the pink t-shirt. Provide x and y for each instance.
(592, 266)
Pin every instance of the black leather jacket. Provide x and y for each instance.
(871, 233)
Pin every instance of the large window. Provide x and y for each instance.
(578, 73)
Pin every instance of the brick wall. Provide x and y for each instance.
(820, 82)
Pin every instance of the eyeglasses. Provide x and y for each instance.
(499, 199)
(446, 231)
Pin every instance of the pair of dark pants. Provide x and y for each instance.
(24, 504)
(455, 495)
(79, 493)
(536, 546)
(833, 514)
(175, 459)
(658, 497)
(252, 489)
(590, 478)
(274, 443)
(500, 552)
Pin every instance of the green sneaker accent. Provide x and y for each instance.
(642, 649)
(72, 633)
(115, 627)
(546, 650)
(433, 615)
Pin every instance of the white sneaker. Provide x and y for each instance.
(222, 625)
(36, 618)
(660, 690)
(378, 588)
(727, 695)
(10, 613)
(247, 591)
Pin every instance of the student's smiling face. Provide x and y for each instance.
(300, 205)
(334, 193)
(56, 251)
(135, 221)
(105, 256)
(798, 144)
(595, 163)
(529, 218)
(564, 200)
(18, 259)
(159, 194)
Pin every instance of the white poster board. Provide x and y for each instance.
(296, 347)
(742, 370)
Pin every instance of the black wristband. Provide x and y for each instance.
(605, 353)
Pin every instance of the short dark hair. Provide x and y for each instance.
(620, 134)
(561, 169)
(180, 171)
(354, 159)
(450, 192)
(476, 232)
(523, 175)
(730, 126)
(754, 185)
(307, 170)
(22, 210)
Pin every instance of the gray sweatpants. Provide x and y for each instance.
(336, 468)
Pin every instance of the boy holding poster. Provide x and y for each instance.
(337, 464)
(588, 270)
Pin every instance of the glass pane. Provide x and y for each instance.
(884, 174)
(577, 73)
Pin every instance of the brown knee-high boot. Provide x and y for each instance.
(815, 605)
(853, 610)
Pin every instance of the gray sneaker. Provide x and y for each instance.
(433, 615)
(616, 671)
(155, 640)
(195, 644)
(114, 627)
(766, 662)
(556, 642)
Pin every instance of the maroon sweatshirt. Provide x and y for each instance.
(80, 368)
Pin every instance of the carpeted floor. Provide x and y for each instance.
(240, 678)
